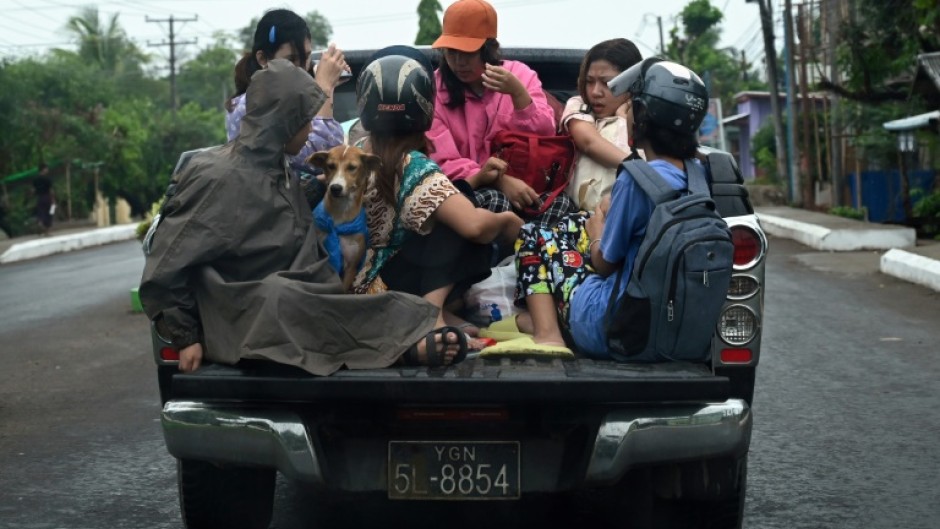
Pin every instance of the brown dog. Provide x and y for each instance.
(346, 172)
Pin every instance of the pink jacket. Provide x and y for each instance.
(461, 136)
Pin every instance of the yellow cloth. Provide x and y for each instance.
(502, 330)
(526, 346)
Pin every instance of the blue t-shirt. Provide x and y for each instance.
(629, 214)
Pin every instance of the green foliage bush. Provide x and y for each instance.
(103, 110)
(849, 212)
(927, 211)
(764, 147)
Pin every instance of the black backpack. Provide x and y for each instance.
(680, 277)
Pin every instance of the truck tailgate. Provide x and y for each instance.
(476, 381)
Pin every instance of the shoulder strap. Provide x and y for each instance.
(698, 183)
(649, 180)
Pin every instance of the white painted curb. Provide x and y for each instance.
(912, 267)
(839, 240)
(66, 243)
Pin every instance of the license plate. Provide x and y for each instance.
(443, 470)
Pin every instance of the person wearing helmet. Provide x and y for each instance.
(478, 96)
(567, 274)
(426, 238)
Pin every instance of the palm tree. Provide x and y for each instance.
(104, 45)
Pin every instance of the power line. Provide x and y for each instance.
(173, 43)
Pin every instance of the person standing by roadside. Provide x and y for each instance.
(45, 199)
(4, 209)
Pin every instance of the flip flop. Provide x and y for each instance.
(502, 330)
(526, 346)
(434, 351)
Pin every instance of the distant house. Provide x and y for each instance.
(927, 79)
(753, 111)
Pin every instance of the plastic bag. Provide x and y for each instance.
(492, 299)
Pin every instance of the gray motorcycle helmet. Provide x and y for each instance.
(672, 95)
(395, 94)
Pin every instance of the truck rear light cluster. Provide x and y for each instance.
(742, 287)
(736, 356)
(749, 246)
(169, 354)
(738, 324)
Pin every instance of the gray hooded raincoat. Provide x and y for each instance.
(235, 262)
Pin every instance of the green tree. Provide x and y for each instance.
(696, 46)
(429, 25)
(879, 43)
(246, 35)
(104, 44)
(320, 29)
(207, 79)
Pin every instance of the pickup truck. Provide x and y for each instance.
(667, 443)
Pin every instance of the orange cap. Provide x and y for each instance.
(467, 25)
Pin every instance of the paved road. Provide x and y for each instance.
(846, 416)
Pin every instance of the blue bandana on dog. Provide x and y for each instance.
(331, 243)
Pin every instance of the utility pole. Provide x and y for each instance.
(835, 126)
(172, 44)
(662, 46)
(795, 195)
(809, 184)
(744, 65)
(770, 52)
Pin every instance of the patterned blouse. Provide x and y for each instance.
(430, 187)
(326, 133)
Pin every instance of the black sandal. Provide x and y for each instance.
(436, 353)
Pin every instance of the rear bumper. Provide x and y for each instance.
(626, 438)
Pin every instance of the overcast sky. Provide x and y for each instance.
(30, 27)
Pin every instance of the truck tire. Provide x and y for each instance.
(728, 513)
(232, 497)
(712, 500)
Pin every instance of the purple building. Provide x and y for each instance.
(753, 110)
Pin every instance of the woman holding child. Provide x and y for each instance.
(597, 122)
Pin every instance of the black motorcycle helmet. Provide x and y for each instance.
(664, 93)
(395, 94)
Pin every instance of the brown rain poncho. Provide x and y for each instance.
(235, 263)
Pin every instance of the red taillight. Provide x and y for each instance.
(736, 356)
(168, 354)
(747, 245)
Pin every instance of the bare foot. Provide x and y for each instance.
(455, 321)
